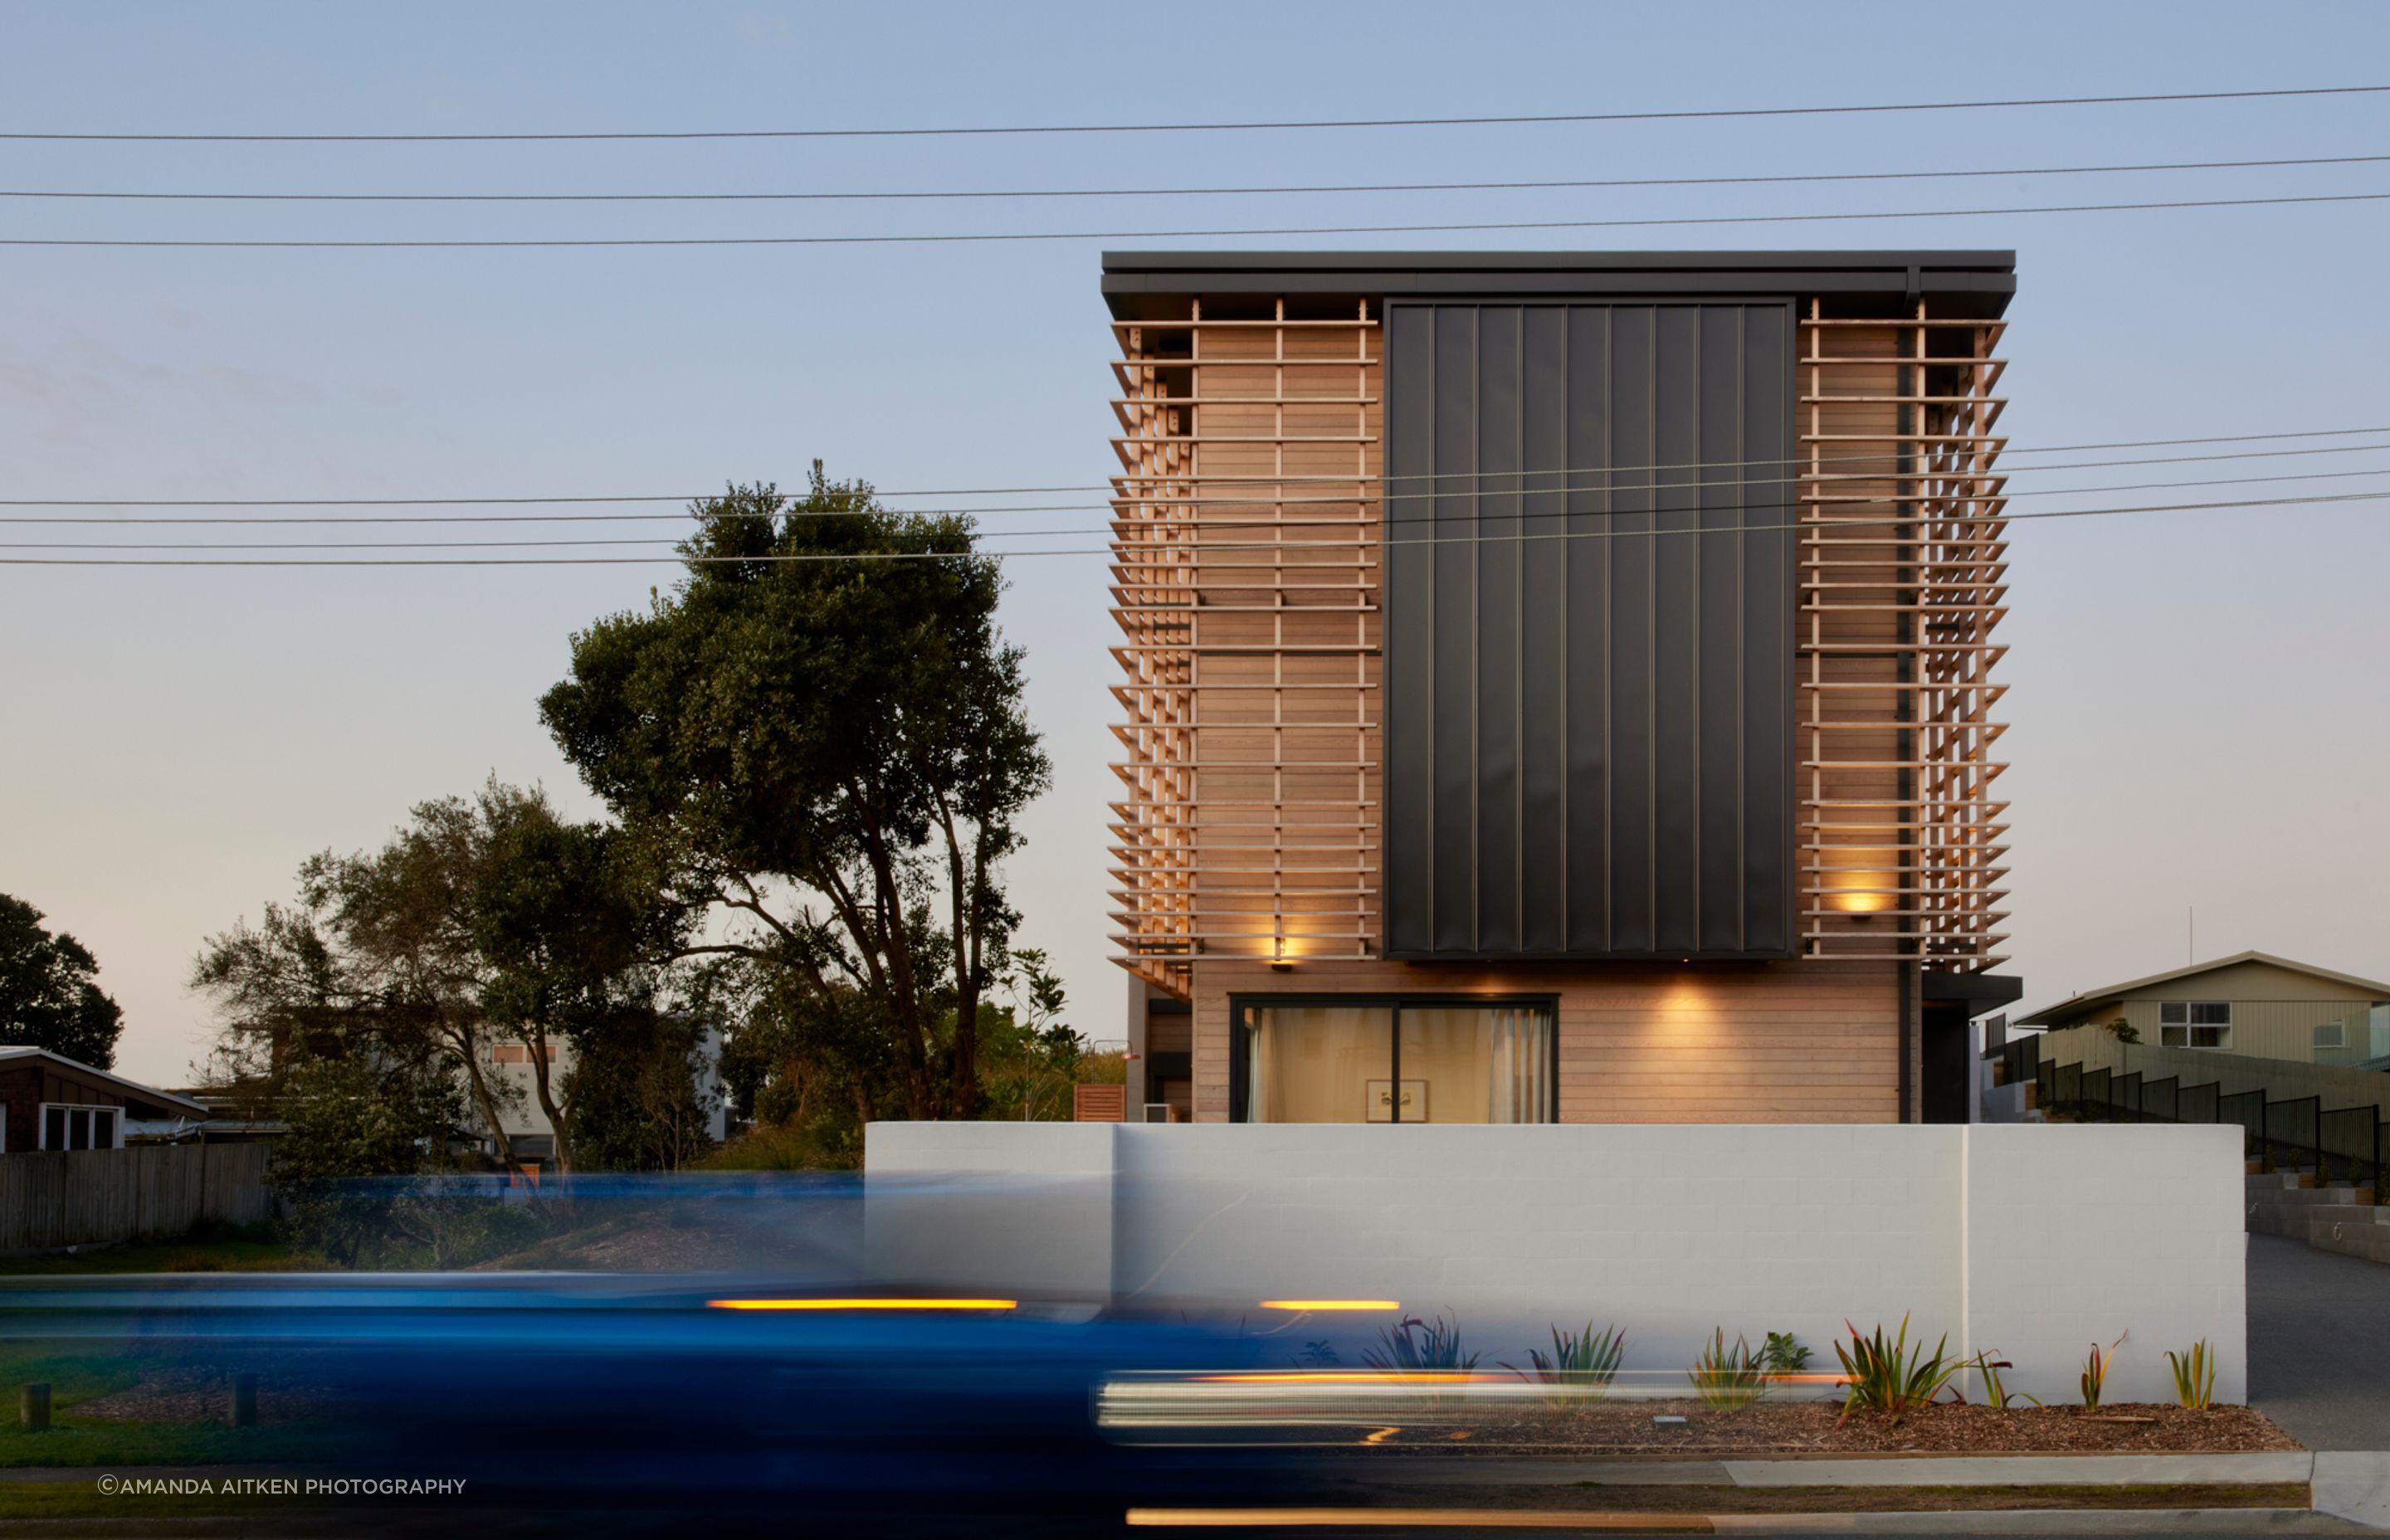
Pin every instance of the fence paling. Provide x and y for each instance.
(2197, 1103)
(2159, 1101)
(2124, 1097)
(2248, 1110)
(2352, 1133)
(51, 1198)
(2292, 1124)
(2094, 1092)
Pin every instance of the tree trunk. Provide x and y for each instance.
(468, 1050)
(558, 1118)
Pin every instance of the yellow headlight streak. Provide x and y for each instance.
(1331, 1304)
(863, 1304)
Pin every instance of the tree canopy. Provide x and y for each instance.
(826, 748)
(49, 993)
(483, 920)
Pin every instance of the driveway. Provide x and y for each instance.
(2319, 1344)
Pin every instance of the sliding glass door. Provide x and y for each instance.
(1393, 1062)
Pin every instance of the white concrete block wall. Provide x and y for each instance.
(1669, 1231)
(2079, 1232)
(1021, 1208)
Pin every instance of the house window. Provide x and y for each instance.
(2330, 1034)
(1395, 1061)
(2195, 1023)
(69, 1127)
(519, 1053)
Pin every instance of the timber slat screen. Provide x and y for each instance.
(1246, 526)
(1904, 567)
(1247, 523)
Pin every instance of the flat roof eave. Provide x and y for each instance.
(1131, 279)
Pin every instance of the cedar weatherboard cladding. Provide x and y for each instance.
(1588, 741)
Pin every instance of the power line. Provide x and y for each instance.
(1280, 125)
(1287, 478)
(553, 243)
(1911, 473)
(1388, 521)
(1306, 190)
(1209, 548)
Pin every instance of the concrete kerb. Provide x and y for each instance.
(1974, 1470)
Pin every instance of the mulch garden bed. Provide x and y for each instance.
(1809, 1428)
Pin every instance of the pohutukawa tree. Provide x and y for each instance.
(820, 730)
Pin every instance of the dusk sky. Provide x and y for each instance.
(2197, 698)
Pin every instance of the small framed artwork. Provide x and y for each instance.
(1381, 1095)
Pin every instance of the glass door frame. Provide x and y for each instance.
(1240, 1035)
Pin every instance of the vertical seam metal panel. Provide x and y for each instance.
(1749, 726)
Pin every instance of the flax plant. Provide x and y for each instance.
(2194, 1376)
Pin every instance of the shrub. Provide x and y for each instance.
(1784, 1353)
(2095, 1370)
(1414, 1346)
(1886, 1375)
(2194, 1376)
(1726, 1378)
(1581, 1364)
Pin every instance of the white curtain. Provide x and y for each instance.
(1521, 1085)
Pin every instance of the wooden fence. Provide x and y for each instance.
(88, 1196)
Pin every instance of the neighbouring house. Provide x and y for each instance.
(1559, 686)
(528, 1129)
(2251, 1004)
(48, 1101)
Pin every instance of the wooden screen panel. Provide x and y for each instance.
(1902, 581)
(1245, 584)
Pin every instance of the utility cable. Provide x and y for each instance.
(1259, 191)
(555, 243)
(1677, 115)
(1836, 526)
(1440, 495)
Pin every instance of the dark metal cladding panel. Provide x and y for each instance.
(1677, 621)
(1588, 748)
(1499, 425)
(1769, 827)
(1718, 583)
(1407, 698)
(1544, 833)
(1633, 438)
(1587, 790)
(1454, 649)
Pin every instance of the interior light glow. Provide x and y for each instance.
(861, 1304)
(1331, 1304)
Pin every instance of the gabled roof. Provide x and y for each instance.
(2093, 999)
(18, 1053)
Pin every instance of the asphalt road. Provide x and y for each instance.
(2319, 1344)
